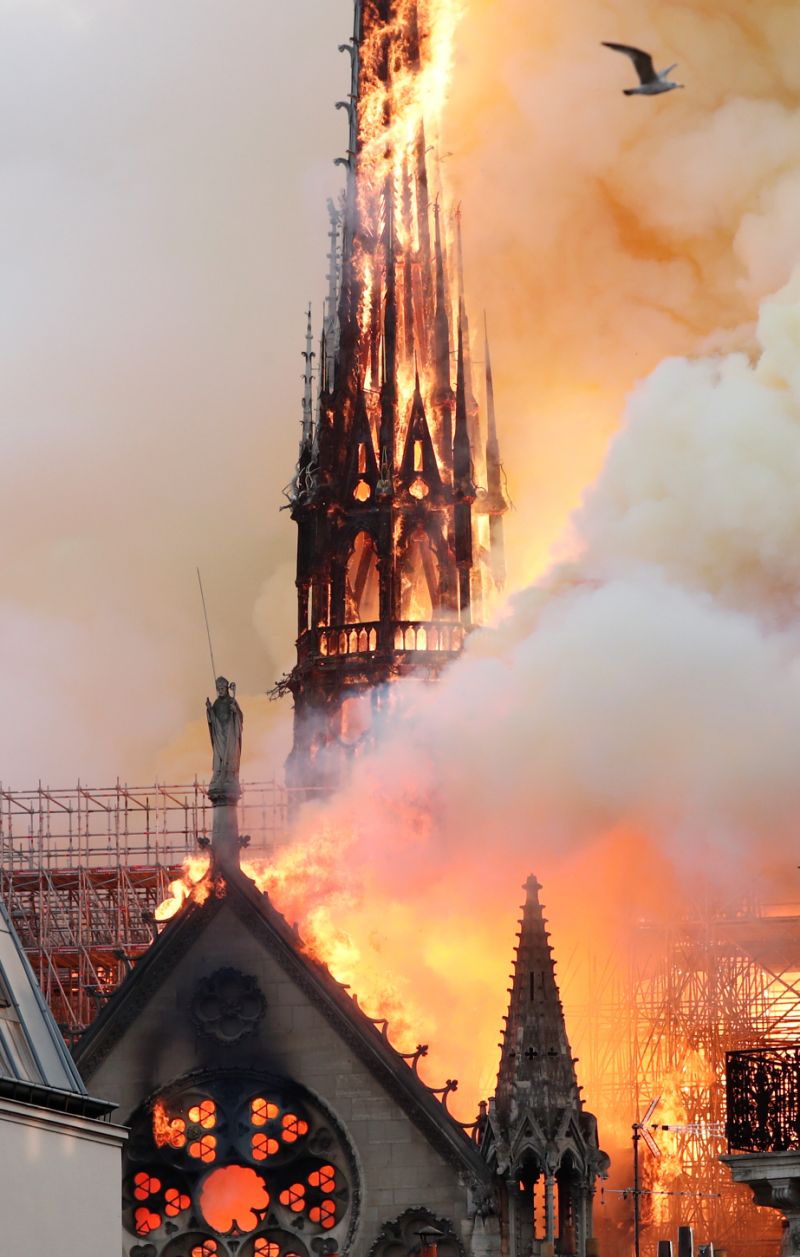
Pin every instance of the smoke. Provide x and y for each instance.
(605, 233)
(630, 726)
(629, 730)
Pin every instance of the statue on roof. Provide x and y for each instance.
(225, 722)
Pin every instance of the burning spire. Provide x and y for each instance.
(389, 502)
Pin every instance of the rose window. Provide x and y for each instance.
(236, 1165)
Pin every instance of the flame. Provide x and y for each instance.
(673, 1110)
(167, 1130)
(309, 885)
(405, 68)
(192, 884)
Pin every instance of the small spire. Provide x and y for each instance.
(308, 381)
(330, 321)
(441, 324)
(462, 454)
(390, 302)
(473, 412)
(536, 1052)
(497, 503)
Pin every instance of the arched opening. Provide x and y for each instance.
(356, 719)
(362, 587)
(419, 579)
(566, 1186)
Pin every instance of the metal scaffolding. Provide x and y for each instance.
(660, 1021)
(82, 871)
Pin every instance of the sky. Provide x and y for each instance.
(163, 177)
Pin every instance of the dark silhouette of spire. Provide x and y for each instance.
(464, 490)
(473, 410)
(537, 1073)
(441, 323)
(496, 502)
(390, 459)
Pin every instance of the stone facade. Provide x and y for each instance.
(230, 1049)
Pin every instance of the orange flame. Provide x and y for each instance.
(167, 1130)
(193, 884)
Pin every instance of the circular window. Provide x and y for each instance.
(244, 1157)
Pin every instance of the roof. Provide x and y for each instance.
(35, 1065)
(369, 1043)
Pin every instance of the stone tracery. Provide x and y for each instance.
(222, 1164)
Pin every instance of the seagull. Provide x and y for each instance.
(651, 81)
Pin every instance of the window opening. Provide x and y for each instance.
(15, 1047)
(419, 585)
(362, 596)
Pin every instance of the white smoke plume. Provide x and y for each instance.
(629, 730)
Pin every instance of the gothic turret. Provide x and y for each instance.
(536, 1068)
(539, 1135)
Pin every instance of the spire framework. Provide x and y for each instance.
(395, 560)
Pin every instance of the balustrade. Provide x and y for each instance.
(763, 1096)
(439, 636)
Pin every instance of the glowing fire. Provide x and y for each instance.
(307, 884)
(405, 65)
(673, 1111)
(167, 1130)
(193, 884)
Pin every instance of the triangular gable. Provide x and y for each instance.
(315, 984)
(418, 431)
(362, 469)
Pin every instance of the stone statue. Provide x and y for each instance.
(225, 721)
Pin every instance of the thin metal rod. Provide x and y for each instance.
(636, 1215)
(208, 630)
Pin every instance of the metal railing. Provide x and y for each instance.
(763, 1095)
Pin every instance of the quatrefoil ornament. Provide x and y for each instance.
(228, 1005)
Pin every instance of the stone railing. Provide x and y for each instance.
(430, 636)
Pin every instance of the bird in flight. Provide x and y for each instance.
(652, 82)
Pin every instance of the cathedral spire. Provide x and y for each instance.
(537, 1073)
(391, 565)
